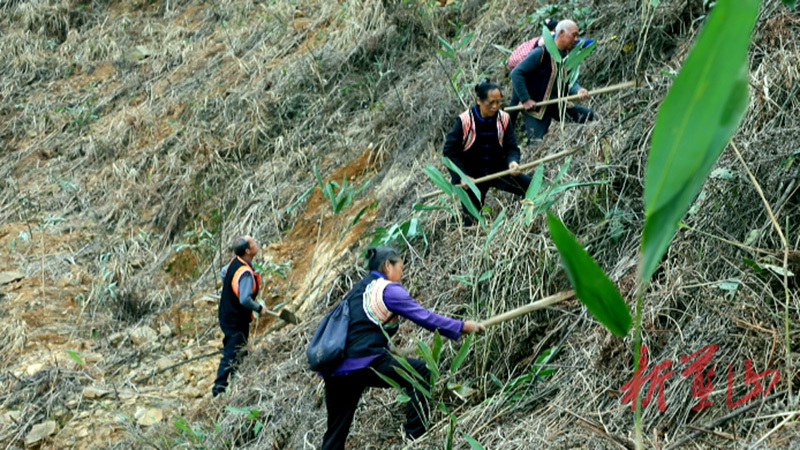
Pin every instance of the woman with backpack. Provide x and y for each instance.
(376, 304)
(482, 142)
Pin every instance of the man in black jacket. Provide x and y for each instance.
(240, 286)
(535, 79)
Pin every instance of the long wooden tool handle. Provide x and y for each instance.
(547, 301)
(508, 172)
(602, 90)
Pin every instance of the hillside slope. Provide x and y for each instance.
(139, 137)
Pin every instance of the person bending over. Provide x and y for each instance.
(482, 142)
(376, 304)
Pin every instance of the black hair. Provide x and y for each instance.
(377, 257)
(485, 86)
(240, 246)
(551, 23)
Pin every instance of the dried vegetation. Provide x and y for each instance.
(138, 137)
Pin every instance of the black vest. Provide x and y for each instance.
(364, 338)
(231, 312)
(539, 82)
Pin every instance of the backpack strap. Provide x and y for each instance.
(374, 306)
(503, 119)
(467, 129)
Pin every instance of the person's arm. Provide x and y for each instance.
(522, 71)
(453, 147)
(246, 292)
(399, 301)
(511, 146)
(224, 271)
(576, 89)
(573, 90)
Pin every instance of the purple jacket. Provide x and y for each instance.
(400, 302)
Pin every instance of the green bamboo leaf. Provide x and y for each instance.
(463, 279)
(388, 380)
(300, 199)
(562, 171)
(498, 222)
(464, 40)
(461, 356)
(414, 380)
(427, 354)
(438, 179)
(437, 346)
(573, 76)
(446, 54)
(446, 44)
(536, 183)
(319, 177)
(467, 202)
(697, 118)
(566, 186)
(451, 430)
(75, 355)
(452, 166)
(454, 78)
(550, 44)
(360, 213)
(503, 49)
(363, 186)
(578, 54)
(592, 286)
(473, 444)
(422, 207)
(790, 3)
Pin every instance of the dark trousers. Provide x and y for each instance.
(343, 392)
(537, 128)
(233, 351)
(516, 184)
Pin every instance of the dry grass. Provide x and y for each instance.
(142, 124)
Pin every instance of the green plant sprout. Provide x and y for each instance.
(432, 357)
(696, 120)
(340, 195)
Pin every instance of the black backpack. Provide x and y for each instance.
(326, 350)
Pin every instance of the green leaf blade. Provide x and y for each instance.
(461, 356)
(438, 179)
(577, 56)
(536, 183)
(697, 118)
(550, 44)
(473, 443)
(592, 286)
(452, 166)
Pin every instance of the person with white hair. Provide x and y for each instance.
(535, 79)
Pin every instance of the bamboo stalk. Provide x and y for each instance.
(539, 304)
(602, 90)
(508, 172)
